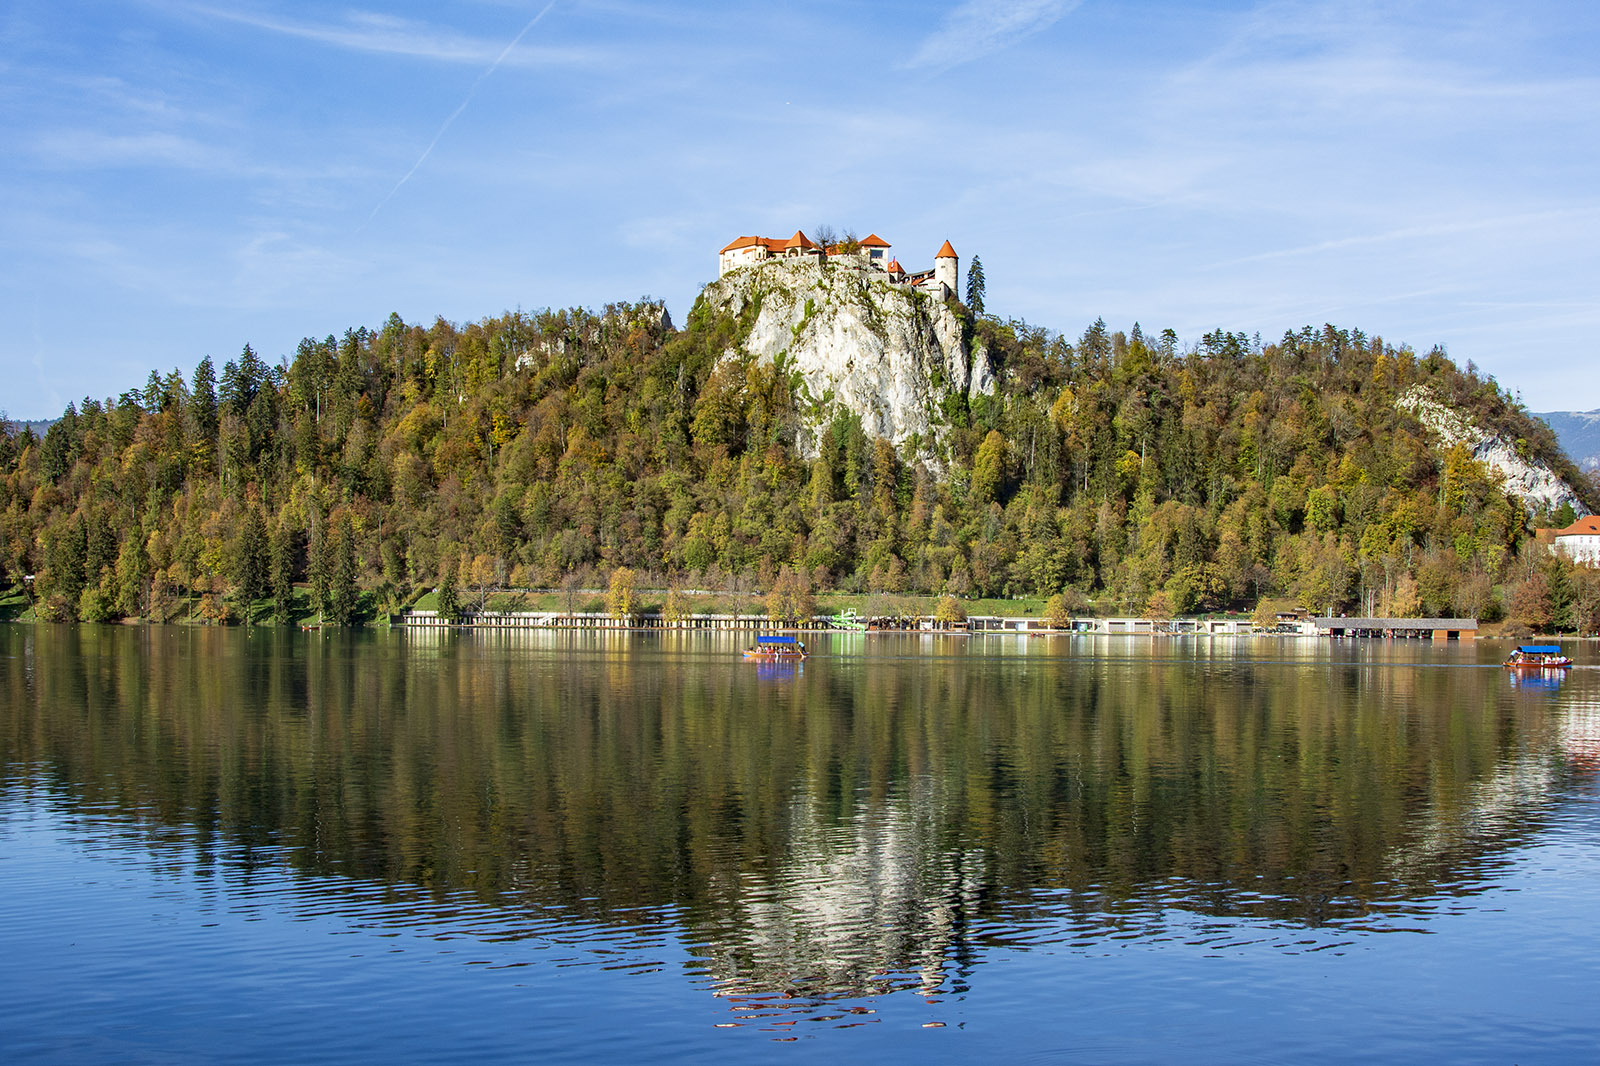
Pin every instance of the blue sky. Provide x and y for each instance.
(181, 177)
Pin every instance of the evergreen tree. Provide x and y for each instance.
(203, 402)
(133, 576)
(975, 286)
(250, 561)
(449, 600)
(343, 593)
(100, 545)
(67, 554)
(202, 421)
(1563, 592)
(281, 567)
(319, 565)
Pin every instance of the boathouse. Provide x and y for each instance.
(1399, 628)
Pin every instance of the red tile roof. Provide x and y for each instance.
(874, 241)
(895, 267)
(799, 240)
(771, 244)
(945, 251)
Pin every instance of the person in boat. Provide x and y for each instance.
(1538, 656)
(777, 648)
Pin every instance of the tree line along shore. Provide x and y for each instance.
(1116, 472)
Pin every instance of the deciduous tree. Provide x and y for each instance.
(620, 597)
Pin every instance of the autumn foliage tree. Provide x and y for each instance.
(622, 596)
(568, 443)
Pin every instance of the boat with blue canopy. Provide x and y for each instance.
(1538, 657)
(776, 648)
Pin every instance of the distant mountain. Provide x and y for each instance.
(39, 426)
(1579, 434)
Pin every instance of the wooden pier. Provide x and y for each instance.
(592, 620)
(976, 625)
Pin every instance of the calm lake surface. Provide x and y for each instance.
(325, 847)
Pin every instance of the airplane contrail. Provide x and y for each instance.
(423, 158)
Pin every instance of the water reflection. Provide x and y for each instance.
(778, 671)
(871, 821)
(1535, 681)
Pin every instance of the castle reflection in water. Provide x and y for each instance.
(871, 821)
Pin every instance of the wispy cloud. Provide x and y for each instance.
(77, 149)
(1520, 222)
(90, 150)
(499, 59)
(367, 31)
(979, 27)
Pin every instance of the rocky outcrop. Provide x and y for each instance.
(1530, 480)
(892, 355)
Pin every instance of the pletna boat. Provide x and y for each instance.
(1538, 657)
(771, 649)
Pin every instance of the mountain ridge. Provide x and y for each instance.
(1579, 434)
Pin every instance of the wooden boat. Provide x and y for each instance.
(776, 649)
(1538, 657)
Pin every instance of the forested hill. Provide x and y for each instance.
(526, 450)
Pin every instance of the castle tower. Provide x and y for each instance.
(946, 269)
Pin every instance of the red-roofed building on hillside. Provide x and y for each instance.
(871, 253)
(744, 251)
(1580, 541)
(876, 249)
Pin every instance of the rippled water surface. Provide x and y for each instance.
(287, 847)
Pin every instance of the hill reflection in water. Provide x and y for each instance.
(871, 821)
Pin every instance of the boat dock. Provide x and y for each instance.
(1438, 629)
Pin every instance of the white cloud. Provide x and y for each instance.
(1559, 221)
(77, 149)
(979, 27)
(90, 150)
(366, 31)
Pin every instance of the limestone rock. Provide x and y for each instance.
(1531, 481)
(890, 354)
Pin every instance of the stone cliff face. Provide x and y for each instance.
(1531, 481)
(891, 355)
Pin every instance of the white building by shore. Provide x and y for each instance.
(1580, 541)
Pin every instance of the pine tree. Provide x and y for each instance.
(975, 286)
(68, 551)
(250, 561)
(200, 418)
(281, 566)
(133, 576)
(343, 593)
(319, 565)
(203, 401)
(449, 602)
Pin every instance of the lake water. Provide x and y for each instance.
(290, 847)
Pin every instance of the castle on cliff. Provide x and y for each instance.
(873, 254)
